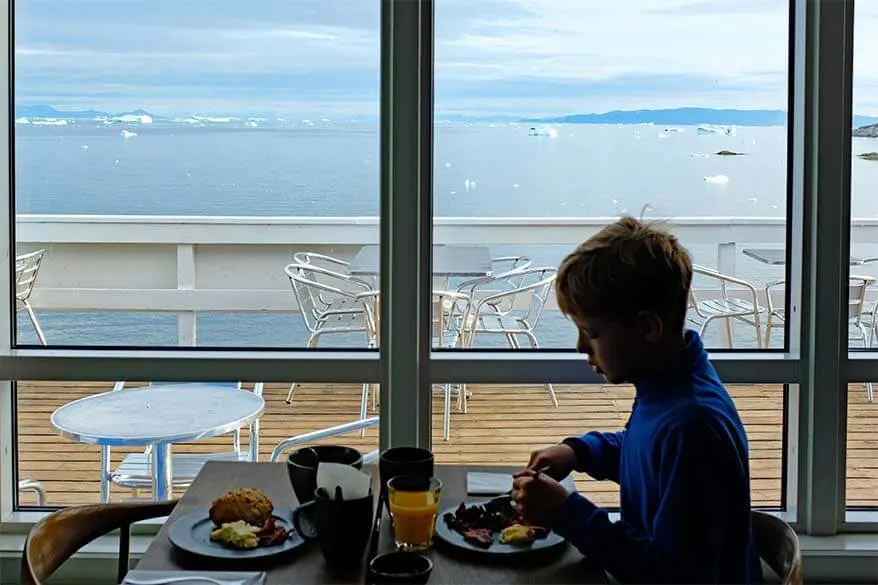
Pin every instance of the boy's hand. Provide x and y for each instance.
(560, 458)
(540, 498)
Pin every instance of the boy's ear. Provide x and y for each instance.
(653, 326)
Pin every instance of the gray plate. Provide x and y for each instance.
(454, 538)
(192, 534)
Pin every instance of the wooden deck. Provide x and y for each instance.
(503, 424)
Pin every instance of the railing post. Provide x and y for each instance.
(186, 281)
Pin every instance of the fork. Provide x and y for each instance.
(536, 474)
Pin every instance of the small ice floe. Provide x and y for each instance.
(718, 179)
(115, 162)
(453, 192)
(448, 165)
(699, 155)
(753, 199)
(469, 184)
(773, 206)
(515, 185)
(126, 134)
(84, 147)
(662, 135)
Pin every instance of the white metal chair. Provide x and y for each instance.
(32, 485)
(741, 305)
(775, 312)
(450, 311)
(497, 313)
(861, 322)
(332, 304)
(27, 267)
(307, 438)
(135, 471)
(335, 265)
(860, 325)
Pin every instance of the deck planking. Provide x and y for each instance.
(503, 425)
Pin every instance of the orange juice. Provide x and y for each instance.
(414, 518)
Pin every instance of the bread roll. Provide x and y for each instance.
(249, 505)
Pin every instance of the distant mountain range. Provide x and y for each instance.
(677, 116)
(43, 111)
(685, 117)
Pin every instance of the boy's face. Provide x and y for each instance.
(616, 350)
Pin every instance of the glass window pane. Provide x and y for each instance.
(861, 460)
(503, 424)
(550, 123)
(63, 471)
(172, 162)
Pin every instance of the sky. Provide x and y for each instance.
(493, 57)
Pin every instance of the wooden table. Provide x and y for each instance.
(307, 567)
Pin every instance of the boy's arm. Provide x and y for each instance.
(598, 454)
(687, 537)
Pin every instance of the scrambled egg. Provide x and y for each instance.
(236, 534)
(517, 534)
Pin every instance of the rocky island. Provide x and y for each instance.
(869, 156)
(870, 131)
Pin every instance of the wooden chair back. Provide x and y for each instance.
(778, 546)
(58, 536)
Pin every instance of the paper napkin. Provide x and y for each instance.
(354, 483)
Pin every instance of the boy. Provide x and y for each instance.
(682, 461)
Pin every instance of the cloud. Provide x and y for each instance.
(716, 7)
(525, 56)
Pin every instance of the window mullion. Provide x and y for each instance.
(406, 197)
(826, 38)
(7, 305)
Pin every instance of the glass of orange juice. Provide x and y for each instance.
(414, 505)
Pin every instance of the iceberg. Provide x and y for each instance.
(126, 134)
(720, 130)
(133, 119)
(550, 132)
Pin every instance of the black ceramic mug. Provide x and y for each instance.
(403, 461)
(302, 466)
(342, 527)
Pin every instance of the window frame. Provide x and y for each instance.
(819, 73)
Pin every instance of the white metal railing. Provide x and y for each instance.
(191, 264)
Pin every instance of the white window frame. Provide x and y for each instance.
(405, 366)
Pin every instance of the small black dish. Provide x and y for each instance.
(400, 568)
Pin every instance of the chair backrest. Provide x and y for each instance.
(778, 546)
(27, 266)
(330, 271)
(58, 536)
(229, 385)
(449, 311)
(314, 296)
(724, 281)
(508, 264)
(321, 260)
(857, 286)
(535, 283)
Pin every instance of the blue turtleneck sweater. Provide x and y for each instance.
(683, 471)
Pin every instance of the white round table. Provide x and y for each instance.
(157, 416)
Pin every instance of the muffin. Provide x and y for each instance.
(248, 505)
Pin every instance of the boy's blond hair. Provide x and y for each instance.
(627, 267)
